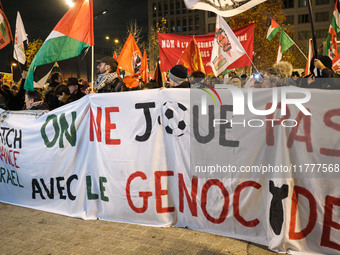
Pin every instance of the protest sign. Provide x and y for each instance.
(126, 157)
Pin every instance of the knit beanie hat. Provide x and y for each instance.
(178, 73)
(327, 61)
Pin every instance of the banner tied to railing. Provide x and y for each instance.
(147, 157)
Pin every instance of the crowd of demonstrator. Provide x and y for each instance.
(59, 92)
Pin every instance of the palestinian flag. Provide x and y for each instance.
(331, 44)
(72, 34)
(285, 43)
(273, 29)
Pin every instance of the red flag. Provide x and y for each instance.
(5, 30)
(144, 68)
(171, 47)
(310, 56)
(130, 58)
(192, 58)
(336, 62)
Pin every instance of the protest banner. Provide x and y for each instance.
(171, 47)
(126, 157)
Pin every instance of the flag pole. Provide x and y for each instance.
(312, 26)
(296, 45)
(92, 67)
(16, 54)
(92, 52)
(253, 65)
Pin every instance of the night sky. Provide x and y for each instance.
(41, 16)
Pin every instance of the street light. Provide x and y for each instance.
(103, 12)
(13, 64)
(70, 3)
(107, 37)
(116, 41)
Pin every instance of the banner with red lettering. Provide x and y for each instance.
(131, 157)
(171, 47)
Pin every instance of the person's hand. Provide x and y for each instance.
(310, 79)
(318, 64)
(89, 91)
(24, 74)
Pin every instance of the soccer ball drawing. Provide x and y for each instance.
(174, 118)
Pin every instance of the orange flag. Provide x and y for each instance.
(192, 58)
(131, 81)
(144, 68)
(130, 58)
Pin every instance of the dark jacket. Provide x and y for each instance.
(185, 84)
(115, 86)
(41, 105)
(77, 95)
(328, 80)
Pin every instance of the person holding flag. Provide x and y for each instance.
(324, 64)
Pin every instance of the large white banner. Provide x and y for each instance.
(128, 157)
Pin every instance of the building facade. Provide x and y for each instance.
(180, 20)
(298, 16)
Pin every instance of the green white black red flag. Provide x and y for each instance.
(273, 29)
(71, 35)
(331, 41)
(285, 43)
